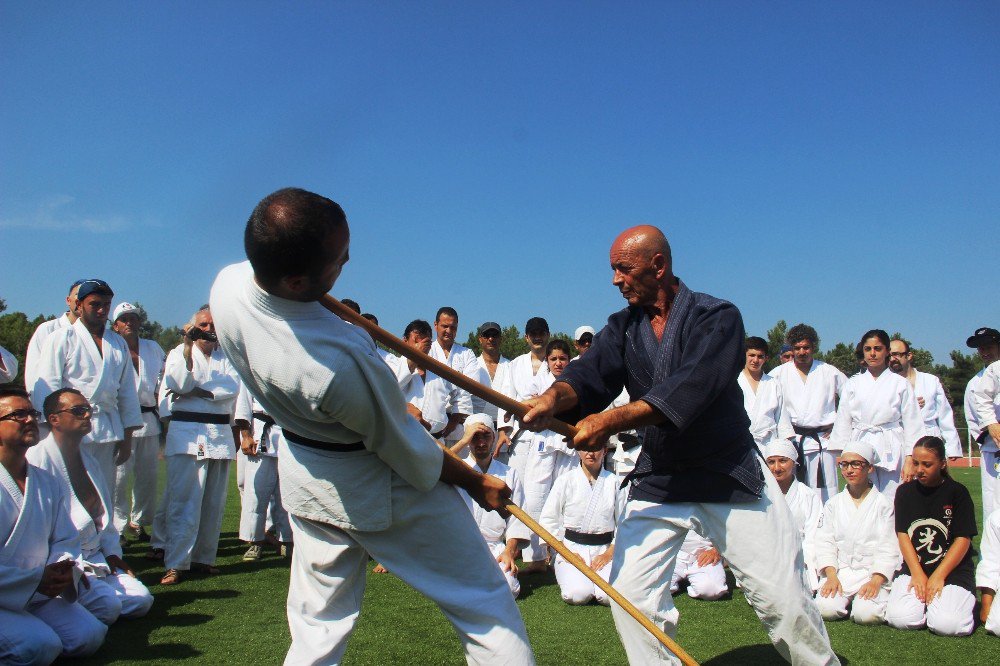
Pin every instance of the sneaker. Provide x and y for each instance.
(253, 553)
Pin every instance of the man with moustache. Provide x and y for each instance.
(494, 368)
(935, 410)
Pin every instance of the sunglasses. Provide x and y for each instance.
(78, 411)
(22, 415)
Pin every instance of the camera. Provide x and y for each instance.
(195, 333)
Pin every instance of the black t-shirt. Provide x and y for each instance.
(934, 518)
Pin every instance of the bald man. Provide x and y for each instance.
(678, 354)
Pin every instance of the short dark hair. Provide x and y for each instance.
(756, 342)
(351, 304)
(536, 324)
(446, 310)
(876, 333)
(801, 332)
(286, 234)
(13, 392)
(51, 402)
(370, 317)
(559, 344)
(418, 326)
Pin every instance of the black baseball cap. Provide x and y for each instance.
(536, 325)
(488, 326)
(984, 336)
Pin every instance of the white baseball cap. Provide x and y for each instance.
(123, 308)
(580, 332)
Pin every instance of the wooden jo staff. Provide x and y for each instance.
(518, 409)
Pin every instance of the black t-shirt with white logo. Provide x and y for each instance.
(933, 518)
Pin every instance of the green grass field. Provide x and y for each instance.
(239, 617)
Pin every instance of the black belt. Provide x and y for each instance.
(265, 432)
(629, 441)
(586, 539)
(320, 444)
(801, 473)
(150, 410)
(201, 417)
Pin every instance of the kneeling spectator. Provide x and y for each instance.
(700, 565)
(111, 588)
(582, 509)
(503, 536)
(856, 549)
(805, 503)
(935, 523)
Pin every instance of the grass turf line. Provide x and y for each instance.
(239, 616)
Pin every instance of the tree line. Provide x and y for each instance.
(16, 330)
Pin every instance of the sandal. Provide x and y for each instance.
(171, 577)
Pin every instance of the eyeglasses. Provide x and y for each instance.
(852, 464)
(22, 415)
(78, 411)
(898, 354)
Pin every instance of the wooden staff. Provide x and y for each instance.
(517, 408)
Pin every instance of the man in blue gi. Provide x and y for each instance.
(678, 354)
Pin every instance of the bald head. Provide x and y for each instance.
(643, 240)
(642, 265)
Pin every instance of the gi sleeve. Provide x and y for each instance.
(176, 376)
(843, 423)
(946, 421)
(886, 557)
(244, 406)
(984, 398)
(825, 543)
(551, 517)
(49, 369)
(598, 377)
(364, 396)
(913, 424)
(223, 382)
(784, 421)
(515, 528)
(128, 396)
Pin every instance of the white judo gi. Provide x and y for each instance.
(859, 541)
(812, 405)
(520, 385)
(110, 595)
(331, 389)
(35, 344)
(988, 571)
(766, 408)
(463, 360)
(8, 366)
(882, 412)
(434, 396)
(982, 407)
(584, 517)
(497, 530)
(704, 582)
(501, 379)
(198, 455)
(105, 377)
(261, 484)
(140, 508)
(937, 414)
(807, 510)
(36, 530)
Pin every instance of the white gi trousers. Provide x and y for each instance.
(104, 454)
(886, 481)
(497, 547)
(993, 620)
(111, 596)
(80, 633)
(575, 588)
(989, 471)
(828, 461)
(196, 499)
(863, 611)
(761, 543)
(261, 497)
(708, 583)
(517, 459)
(27, 641)
(145, 454)
(429, 534)
(948, 614)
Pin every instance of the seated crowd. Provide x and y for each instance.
(80, 445)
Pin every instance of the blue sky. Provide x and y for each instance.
(837, 163)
